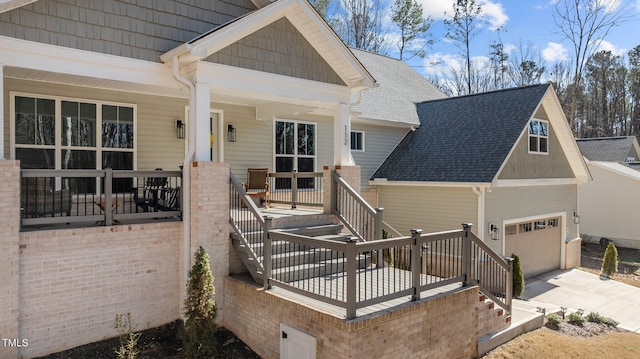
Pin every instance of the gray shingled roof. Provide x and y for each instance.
(612, 149)
(399, 88)
(463, 139)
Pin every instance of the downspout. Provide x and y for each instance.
(186, 177)
(480, 192)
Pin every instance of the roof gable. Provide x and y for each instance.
(613, 149)
(305, 20)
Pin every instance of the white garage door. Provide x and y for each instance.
(537, 243)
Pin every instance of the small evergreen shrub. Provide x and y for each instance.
(128, 338)
(554, 319)
(198, 334)
(576, 318)
(518, 277)
(597, 318)
(610, 261)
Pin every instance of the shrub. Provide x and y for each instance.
(554, 319)
(518, 277)
(576, 318)
(128, 338)
(610, 261)
(198, 335)
(595, 317)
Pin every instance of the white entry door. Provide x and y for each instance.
(295, 344)
(214, 137)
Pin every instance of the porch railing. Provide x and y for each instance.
(348, 274)
(364, 221)
(102, 197)
(296, 188)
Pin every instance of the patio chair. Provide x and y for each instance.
(257, 184)
(152, 192)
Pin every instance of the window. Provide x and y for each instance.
(295, 148)
(56, 133)
(524, 227)
(538, 136)
(357, 141)
(511, 229)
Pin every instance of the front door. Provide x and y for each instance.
(214, 137)
(295, 149)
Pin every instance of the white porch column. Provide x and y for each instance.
(202, 113)
(2, 111)
(342, 136)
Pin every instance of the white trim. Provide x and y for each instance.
(617, 168)
(235, 81)
(563, 230)
(385, 182)
(51, 58)
(535, 182)
(538, 136)
(8, 5)
(295, 156)
(378, 122)
(362, 141)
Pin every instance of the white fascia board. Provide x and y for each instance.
(618, 169)
(385, 182)
(51, 58)
(8, 5)
(270, 87)
(379, 122)
(535, 182)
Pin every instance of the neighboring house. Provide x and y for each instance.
(610, 204)
(505, 161)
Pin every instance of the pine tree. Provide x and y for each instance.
(198, 335)
(408, 16)
(518, 277)
(610, 261)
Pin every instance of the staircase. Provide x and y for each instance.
(292, 262)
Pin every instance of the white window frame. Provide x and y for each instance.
(295, 156)
(537, 137)
(361, 133)
(57, 147)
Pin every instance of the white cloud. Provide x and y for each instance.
(494, 13)
(555, 52)
(436, 8)
(609, 5)
(439, 63)
(607, 46)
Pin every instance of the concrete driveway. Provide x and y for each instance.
(576, 289)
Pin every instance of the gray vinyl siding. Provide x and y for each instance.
(137, 29)
(156, 143)
(379, 142)
(431, 209)
(519, 202)
(280, 49)
(524, 165)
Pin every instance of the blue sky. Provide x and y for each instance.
(523, 21)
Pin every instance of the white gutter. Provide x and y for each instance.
(480, 191)
(186, 177)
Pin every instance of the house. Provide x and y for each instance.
(106, 92)
(610, 202)
(505, 161)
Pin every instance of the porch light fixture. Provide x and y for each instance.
(576, 217)
(493, 231)
(179, 129)
(231, 133)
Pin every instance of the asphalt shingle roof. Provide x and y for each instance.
(463, 139)
(613, 149)
(400, 87)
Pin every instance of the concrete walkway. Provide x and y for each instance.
(576, 289)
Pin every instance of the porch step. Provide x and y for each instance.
(313, 231)
(312, 270)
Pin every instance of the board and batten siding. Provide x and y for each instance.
(431, 209)
(610, 207)
(156, 143)
(379, 142)
(278, 48)
(524, 165)
(507, 203)
(140, 30)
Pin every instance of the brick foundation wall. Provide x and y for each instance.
(443, 327)
(9, 254)
(573, 251)
(491, 318)
(74, 281)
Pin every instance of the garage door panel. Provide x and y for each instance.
(537, 245)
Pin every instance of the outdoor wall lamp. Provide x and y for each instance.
(231, 133)
(493, 231)
(576, 217)
(179, 129)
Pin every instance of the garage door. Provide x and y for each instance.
(536, 242)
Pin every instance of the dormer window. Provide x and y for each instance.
(538, 136)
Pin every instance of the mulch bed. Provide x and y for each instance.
(587, 329)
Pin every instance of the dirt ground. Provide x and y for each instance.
(628, 262)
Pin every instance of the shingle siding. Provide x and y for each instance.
(138, 29)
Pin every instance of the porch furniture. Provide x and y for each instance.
(151, 194)
(102, 204)
(257, 184)
(38, 198)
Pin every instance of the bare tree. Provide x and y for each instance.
(409, 17)
(584, 24)
(360, 25)
(462, 28)
(526, 67)
(634, 90)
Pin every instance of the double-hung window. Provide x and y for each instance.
(357, 141)
(539, 136)
(57, 133)
(295, 148)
